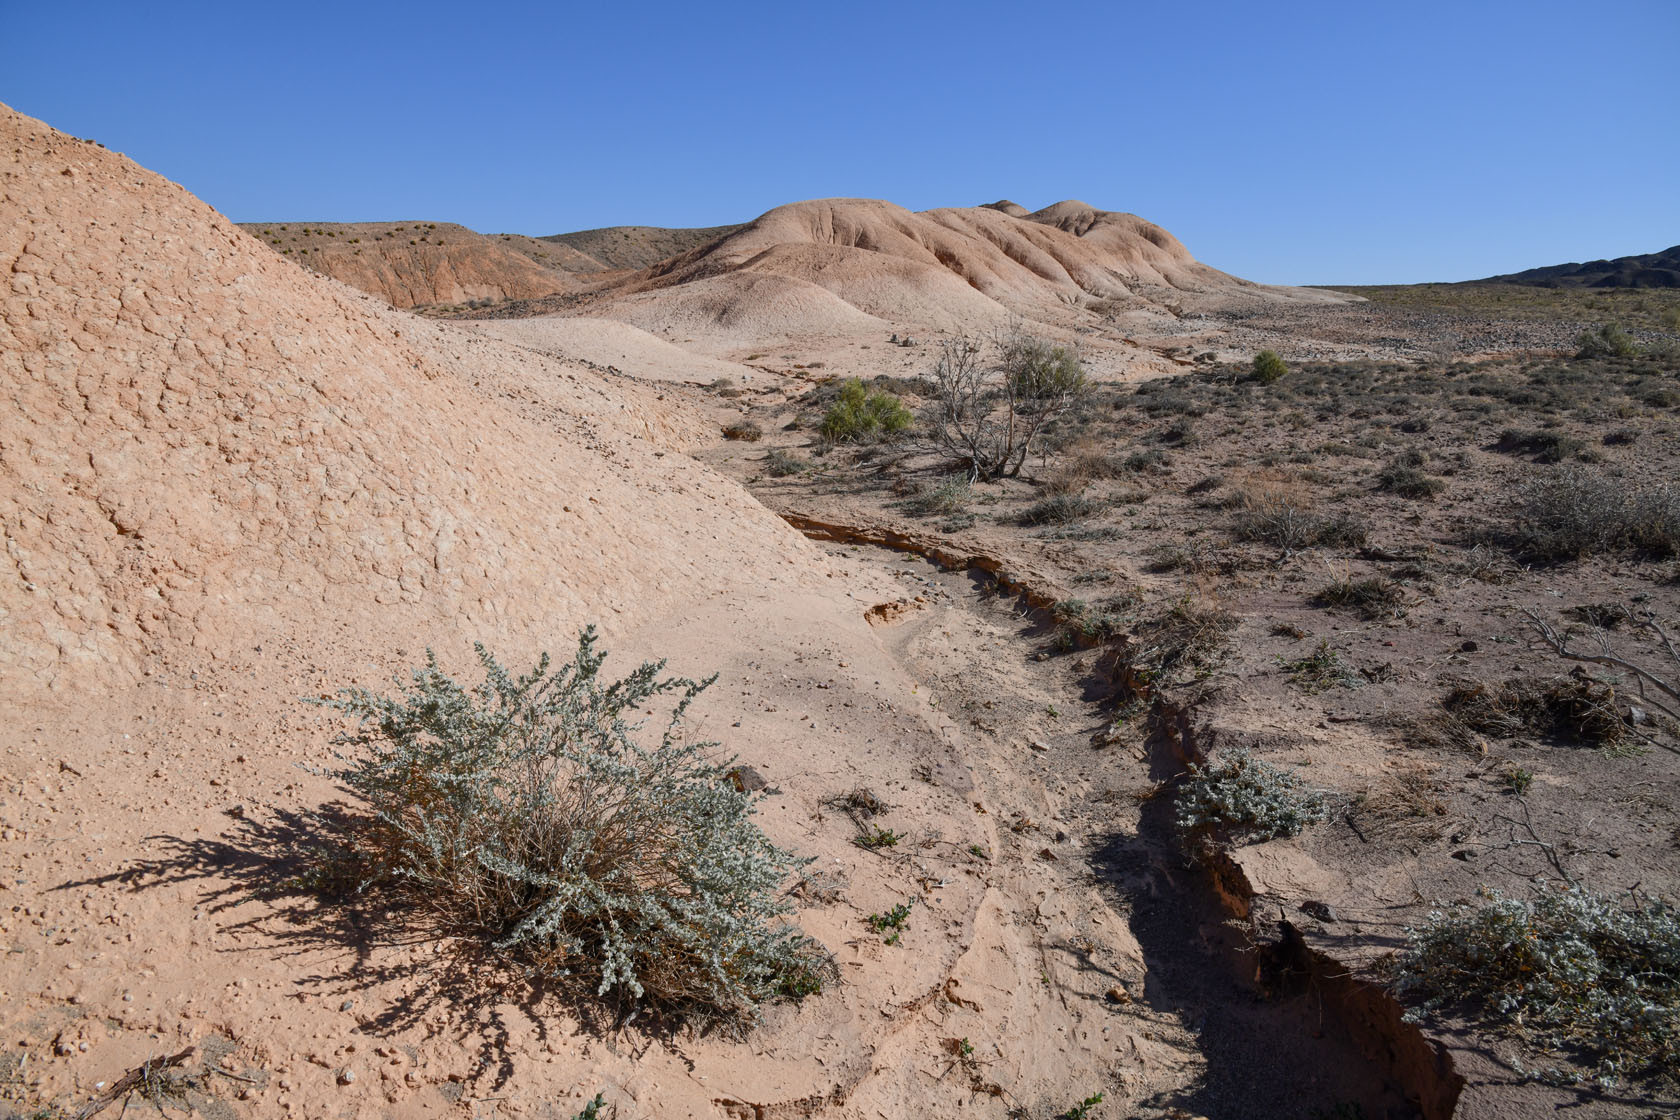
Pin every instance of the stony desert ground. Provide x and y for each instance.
(236, 475)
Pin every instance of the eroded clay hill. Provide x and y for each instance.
(852, 267)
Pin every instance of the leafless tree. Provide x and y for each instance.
(995, 397)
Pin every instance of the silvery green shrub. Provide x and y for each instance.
(1248, 798)
(527, 814)
(1567, 970)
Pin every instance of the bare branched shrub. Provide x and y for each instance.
(1656, 674)
(994, 399)
(1580, 511)
(523, 815)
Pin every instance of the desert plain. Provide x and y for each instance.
(245, 467)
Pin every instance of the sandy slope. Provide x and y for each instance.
(607, 342)
(226, 484)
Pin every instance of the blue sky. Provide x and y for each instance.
(1348, 142)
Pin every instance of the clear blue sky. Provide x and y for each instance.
(1344, 142)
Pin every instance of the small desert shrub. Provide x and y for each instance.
(1574, 708)
(1408, 482)
(1321, 670)
(1609, 341)
(893, 923)
(1546, 446)
(1169, 403)
(949, 496)
(1577, 512)
(1190, 556)
(1180, 433)
(1060, 509)
(1373, 597)
(1248, 798)
(1166, 647)
(1152, 461)
(1080, 623)
(1287, 525)
(523, 816)
(1602, 616)
(1567, 971)
(1268, 367)
(1407, 803)
(860, 416)
(744, 430)
(780, 464)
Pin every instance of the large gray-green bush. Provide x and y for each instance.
(1248, 798)
(1566, 970)
(527, 815)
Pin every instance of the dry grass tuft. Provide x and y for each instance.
(1573, 707)
(1169, 647)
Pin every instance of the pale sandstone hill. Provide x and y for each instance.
(637, 247)
(612, 344)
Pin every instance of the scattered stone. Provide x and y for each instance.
(1319, 910)
(746, 779)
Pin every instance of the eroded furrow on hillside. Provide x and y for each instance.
(1110, 952)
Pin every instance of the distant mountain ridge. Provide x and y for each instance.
(1651, 270)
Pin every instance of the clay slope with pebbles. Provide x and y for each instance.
(426, 264)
